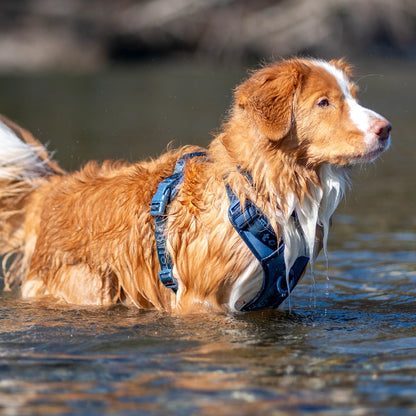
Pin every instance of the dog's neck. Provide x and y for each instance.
(281, 178)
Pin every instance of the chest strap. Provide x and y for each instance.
(255, 230)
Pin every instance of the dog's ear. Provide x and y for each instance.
(343, 66)
(267, 97)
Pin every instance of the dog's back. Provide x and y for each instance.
(98, 217)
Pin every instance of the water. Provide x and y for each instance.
(347, 347)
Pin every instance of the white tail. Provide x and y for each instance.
(20, 160)
(23, 162)
(22, 157)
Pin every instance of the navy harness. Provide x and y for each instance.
(252, 226)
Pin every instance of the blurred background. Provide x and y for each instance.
(103, 79)
(84, 35)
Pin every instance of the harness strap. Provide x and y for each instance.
(253, 227)
(166, 192)
(255, 230)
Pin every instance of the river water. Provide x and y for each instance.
(348, 346)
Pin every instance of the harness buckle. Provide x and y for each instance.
(243, 218)
(161, 199)
(166, 277)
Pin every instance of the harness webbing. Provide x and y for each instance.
(253, 227)
(166, 192)
(255, 230)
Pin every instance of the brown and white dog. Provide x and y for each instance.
(87, 238)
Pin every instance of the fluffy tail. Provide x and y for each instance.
(23, 162)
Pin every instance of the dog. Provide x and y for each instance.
(284, 153)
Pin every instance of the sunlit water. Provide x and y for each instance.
(347, 347)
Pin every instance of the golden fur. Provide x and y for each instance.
(88, 237)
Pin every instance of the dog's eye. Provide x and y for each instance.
(323, 103)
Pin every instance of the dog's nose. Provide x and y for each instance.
(382, 128)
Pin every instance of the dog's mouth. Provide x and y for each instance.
(372, 155)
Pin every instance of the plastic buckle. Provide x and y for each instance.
(161, 199)
(166, 277)
(242, 219)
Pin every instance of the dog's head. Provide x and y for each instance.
(310, 108)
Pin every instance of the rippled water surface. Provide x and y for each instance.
(347, 347)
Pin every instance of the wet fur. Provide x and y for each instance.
(88, 237)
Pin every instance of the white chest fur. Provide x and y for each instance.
(299, 235)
